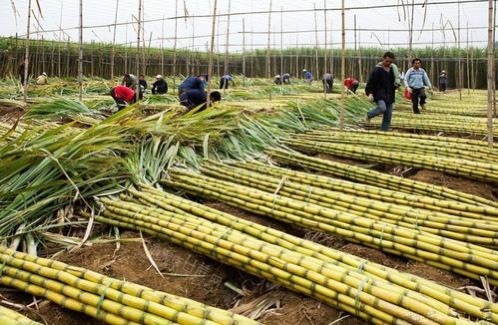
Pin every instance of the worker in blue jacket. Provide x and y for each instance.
(416, 79)
(308, 76)
(193, 82)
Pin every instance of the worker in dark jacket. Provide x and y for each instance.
(328, 82)
(195, 97)
(381, 89)
(193, 82)
(21, 73)
(286, 78)
(226, 80)
(160, 86)
(142, 82)
(278, 80)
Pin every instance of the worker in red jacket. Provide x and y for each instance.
(123, 96)
(352, 84)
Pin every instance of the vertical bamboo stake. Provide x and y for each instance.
(126, 50)
(410, 35)
(227, 39)
(43, 53)
(26, 54)
(460, 73)
(468, 63)
(210, 66)
(432, 56)
(282, 40)
(137, 57)
(325, 45)
(472, 73)
(217, 50)
(343, 64)
(491, 78)
(59, 72)
(316, 42)
(268, 68)
(68, 62)
(494, 59)
(114, 39)
(162, 47)
(142, 51)
(359, 57)
(80, 56)
(297, 56)
(244, 50)
(174, 46)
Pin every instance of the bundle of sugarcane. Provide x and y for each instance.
(375, 178)
(10, 317)
(460, 257)
(478, 129)
(104, 298)
(419, 145)
(370, 291)
(485, 171)
(474, 212)
(467, 229)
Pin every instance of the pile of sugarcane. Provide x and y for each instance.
(423, 145)
(437, 122)
(377, 179)
(472, 228)
(388, 149)
(370, 291)
(11, 317)
(106, 299)
(458, 256)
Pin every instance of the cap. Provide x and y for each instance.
(44, 73)
(443, 71)
(304, 70)
(277, 76)
(159, 76)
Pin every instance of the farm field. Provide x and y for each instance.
(257, 209)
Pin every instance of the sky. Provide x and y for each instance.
(380, 27)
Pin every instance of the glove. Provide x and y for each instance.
(371, 98)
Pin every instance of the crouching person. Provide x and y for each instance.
(195, 97)
(123, 96)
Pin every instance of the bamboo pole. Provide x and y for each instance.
(162, 47)
(460, 72)
(114, 39)
(468, 62)
(325, 45)
(316, 44)
(359, 58)
(142, 52)
(227, 41)
(80, 56)
(343, 65)
(268, 68)
(410, 35)
(137, 57)
(210, 66)
(281, 40)
(244, 50)
(494, 59)
(491, 78)
(174, 47)
(59, 72)
(432, 56)
(26, 54)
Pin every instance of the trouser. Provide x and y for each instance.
(418, 95)
(382, 108)
(442, 87)
(223, 83)
(286, 81)
(327, 85)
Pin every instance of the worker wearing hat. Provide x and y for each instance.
(308, 76)
(160, 86)
(443, 81)
(42, 79)
(278, 80)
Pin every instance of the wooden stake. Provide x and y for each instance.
(210, 66)
(114, 39)
(491, 78)
(359, 57)
(316, 43)
(227, 40)
(26, 54)
(80, 56)
(162, 47)
(325, 45)
(410, 36)
(174, 47)
(432, 57)
(282, 40)
(268, 63)
(244, 50)
(494, 59)
(137, 57)
(59, 72)
(468, 63)
(460, 73)
(343, 64)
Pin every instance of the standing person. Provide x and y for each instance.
(443, 81)
(123, 96)
(225, 80)
(308, 76)
(42, 79)
(278, 80)
(351, 84)
(130, 81)
(286, 78)
(142, 82)
(195, 97)
(415, 81)
(193, 82)
(328, 82)
(160, 86)
(381, 89)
